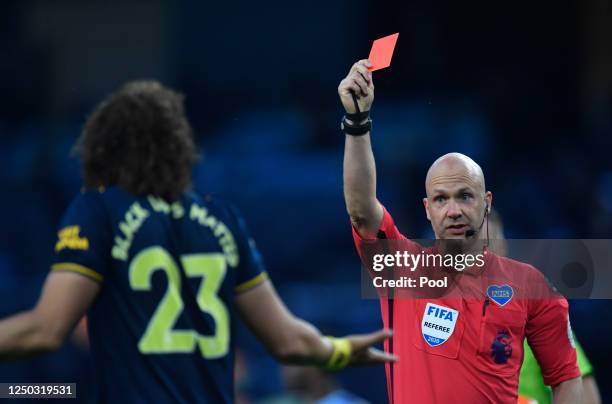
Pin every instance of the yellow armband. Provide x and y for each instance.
(341, 354)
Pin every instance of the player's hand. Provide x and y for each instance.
(363, 351)
(358, 82)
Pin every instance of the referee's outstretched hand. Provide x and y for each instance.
(358, 82)
(363, 351)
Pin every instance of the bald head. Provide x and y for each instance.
(457, 201)
(454, 167)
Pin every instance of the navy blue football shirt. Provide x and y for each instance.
(161, 327)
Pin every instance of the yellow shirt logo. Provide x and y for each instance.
(69, 238)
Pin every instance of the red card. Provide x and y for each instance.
(382, 51)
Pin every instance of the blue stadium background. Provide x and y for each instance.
(523, 87)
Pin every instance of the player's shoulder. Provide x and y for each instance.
(214, 203)
(85, 215)
(86, 201)
(210, 201)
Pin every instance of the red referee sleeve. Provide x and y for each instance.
(386, 230)
(549, 334)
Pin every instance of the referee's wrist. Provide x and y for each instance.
(354, 123)
(349, 127)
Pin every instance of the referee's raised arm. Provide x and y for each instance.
(356, 92)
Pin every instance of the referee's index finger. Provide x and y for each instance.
(359, 342)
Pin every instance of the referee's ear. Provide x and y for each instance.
(489, 201)
(426, 204)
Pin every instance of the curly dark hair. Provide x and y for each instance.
(140, 140)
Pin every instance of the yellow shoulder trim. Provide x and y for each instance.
(251, 283)
(83, 270)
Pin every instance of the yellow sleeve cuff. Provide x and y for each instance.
(243, 287)
(80, 269)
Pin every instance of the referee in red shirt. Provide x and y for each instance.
(466, 350)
